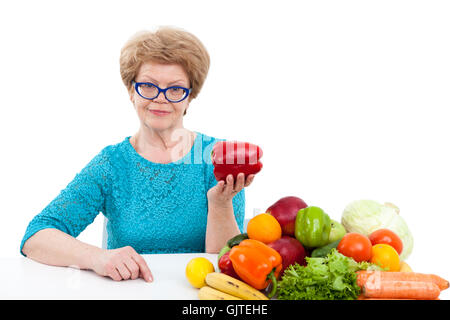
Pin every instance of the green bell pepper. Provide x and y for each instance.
(312, 227)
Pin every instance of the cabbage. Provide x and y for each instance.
(366, 216)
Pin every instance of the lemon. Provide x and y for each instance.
(196, 271)
(404, 267)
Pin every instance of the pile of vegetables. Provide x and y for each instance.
(366, 216)
(330, 278)
(298, 252)
(294, 251)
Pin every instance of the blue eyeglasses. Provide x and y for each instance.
(150, 91)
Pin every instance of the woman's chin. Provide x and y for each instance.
(158, 124)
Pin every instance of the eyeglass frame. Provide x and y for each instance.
(137, 84)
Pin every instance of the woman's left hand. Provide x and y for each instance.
(223, 192)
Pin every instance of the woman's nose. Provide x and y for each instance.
(161, 98)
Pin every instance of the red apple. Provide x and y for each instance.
(285, 211)
(290, 250)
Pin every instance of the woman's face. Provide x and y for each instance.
(170, 115)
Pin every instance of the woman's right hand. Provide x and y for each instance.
(121, 264)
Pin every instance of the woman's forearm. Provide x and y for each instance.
(221, 226)
(54, 247)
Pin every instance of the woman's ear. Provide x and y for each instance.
(131, 95)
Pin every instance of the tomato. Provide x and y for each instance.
(388, 237)
(356, 246)
(386, 257)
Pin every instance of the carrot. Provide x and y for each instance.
(394, 289)
(401, 276)
(361, 297)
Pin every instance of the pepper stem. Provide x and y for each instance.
(272, 277)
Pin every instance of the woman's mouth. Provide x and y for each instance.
(158, 112)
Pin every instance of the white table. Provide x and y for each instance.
(23, 278)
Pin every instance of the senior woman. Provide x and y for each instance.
(156, 188)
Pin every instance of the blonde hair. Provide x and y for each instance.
(165, 45)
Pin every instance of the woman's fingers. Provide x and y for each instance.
(221, 185)
(133, 267)
(123, 264)
(123, 271)
(226, 189)
(229, 184)
(114, 274)
(249, 180)
(240, 181)
(233, 187)
(144, 270)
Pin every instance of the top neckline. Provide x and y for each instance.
(141, 158)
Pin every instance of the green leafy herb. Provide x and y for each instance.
(329, 278)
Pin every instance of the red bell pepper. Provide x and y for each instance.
(226, 266)
(233, 157)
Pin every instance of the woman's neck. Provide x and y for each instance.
(167, 145)
(165, 140)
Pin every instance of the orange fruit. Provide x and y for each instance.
(264, 227)
(386, 257)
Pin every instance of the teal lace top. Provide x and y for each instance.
(152, 207)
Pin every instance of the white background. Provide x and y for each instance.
(348, 100)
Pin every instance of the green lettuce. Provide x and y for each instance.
(330, 278)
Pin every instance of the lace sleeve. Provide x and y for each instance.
(239, 209)
(78, 204)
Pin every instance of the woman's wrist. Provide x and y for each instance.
(221, 225)
(220, 205)
(90, 257)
